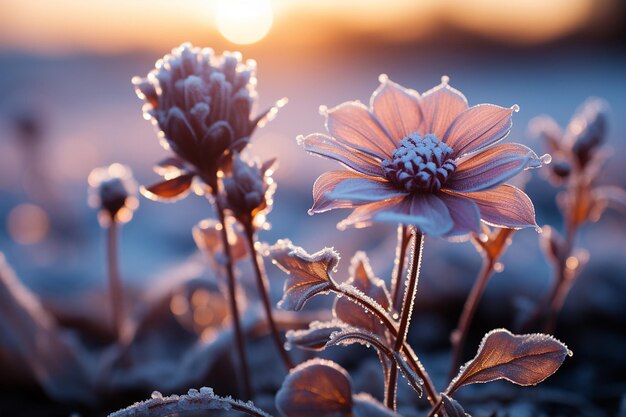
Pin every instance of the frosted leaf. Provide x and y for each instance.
(316, 388)
(412, 378)
(364, 405)
(316, 336)
(452, 407)
(522, 359)
(204, 399)
(309, 275)
(351, 335)
(362, 278)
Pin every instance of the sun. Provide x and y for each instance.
(244, 21)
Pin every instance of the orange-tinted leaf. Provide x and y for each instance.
(169, 190)
(452, 407)
(169, 166)
(316, 337)
(207, 235)
(308, 274)
(522, 359)
(363, 279)
(316, 388)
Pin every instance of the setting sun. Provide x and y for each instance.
(244, 21)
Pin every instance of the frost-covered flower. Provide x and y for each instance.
(113, 191)
(202, 104)
(427, 160)
(248, 190)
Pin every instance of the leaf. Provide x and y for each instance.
(452, 407)
(316, 336)
(208, 237)
(170, 190)
(522, 359)
(367, 406)
(316, 388)
(309, 275)
(363, 279)
(409, 374)
(608, 196)
(169, 167)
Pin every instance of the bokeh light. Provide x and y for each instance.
(28, 224)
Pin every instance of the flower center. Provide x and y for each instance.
(420, 164)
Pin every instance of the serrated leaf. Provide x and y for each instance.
(316, 388)
(316, 336)
(363, 279)
(522, 359)
(452, 407)
(308, 274)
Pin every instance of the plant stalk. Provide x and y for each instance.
(116, 293)
(263, 286)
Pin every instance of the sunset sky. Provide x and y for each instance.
(67, 26)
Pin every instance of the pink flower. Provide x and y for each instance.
(427, 160)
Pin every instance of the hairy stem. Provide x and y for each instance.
(396, 280)
(263, 287)
(469, 310)
(412, 359)
(411, 289)
(232, 296)
(116, 293)
(391, 385)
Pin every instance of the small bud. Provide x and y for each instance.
(113, 191)
(587, 130)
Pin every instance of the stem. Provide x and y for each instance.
(412, 359)
(409, 293)
(263, 286)
(391, 385)
(469, 310)
(435, 408)
(396, 281)
(115, 284)
(232, 295)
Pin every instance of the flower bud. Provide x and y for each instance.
(113, 191)
(587, 130)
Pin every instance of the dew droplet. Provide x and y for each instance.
(323, 110)
(156, 395)
(546, 158)
(515, 108)
(445, 80)
(383, 78)
(498, 267)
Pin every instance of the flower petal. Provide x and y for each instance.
(345, 189)
(464, 212)
(328, 147)
(492, 167)
(478, 127)
(426, 211)
(397, 108)
(353, 125)
(440, 106)
(505, 206)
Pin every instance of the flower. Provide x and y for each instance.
(201, 104)
(112, 190)
(427, 160)
(248, 190)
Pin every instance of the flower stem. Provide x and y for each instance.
(391, 386)
(396, 280)
(407, 310)
(263, 287)
(232, 295)
(469, 310)
(411, 289)
(116, 293)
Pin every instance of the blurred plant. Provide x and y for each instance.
(201, 104)
(579, 155)
(113, 190)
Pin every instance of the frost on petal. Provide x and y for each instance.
(397, 108)
(426, 211)
(492, 167)
(363, 279)
(345, 189)
(440, 106)
(505, 206)
(169, 190)
(522, 359)
(316, 388)
(308, 275)
(478, 127)
(327, 147)
(464, 212)
(353, 125)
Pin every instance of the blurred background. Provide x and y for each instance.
(65, 70)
